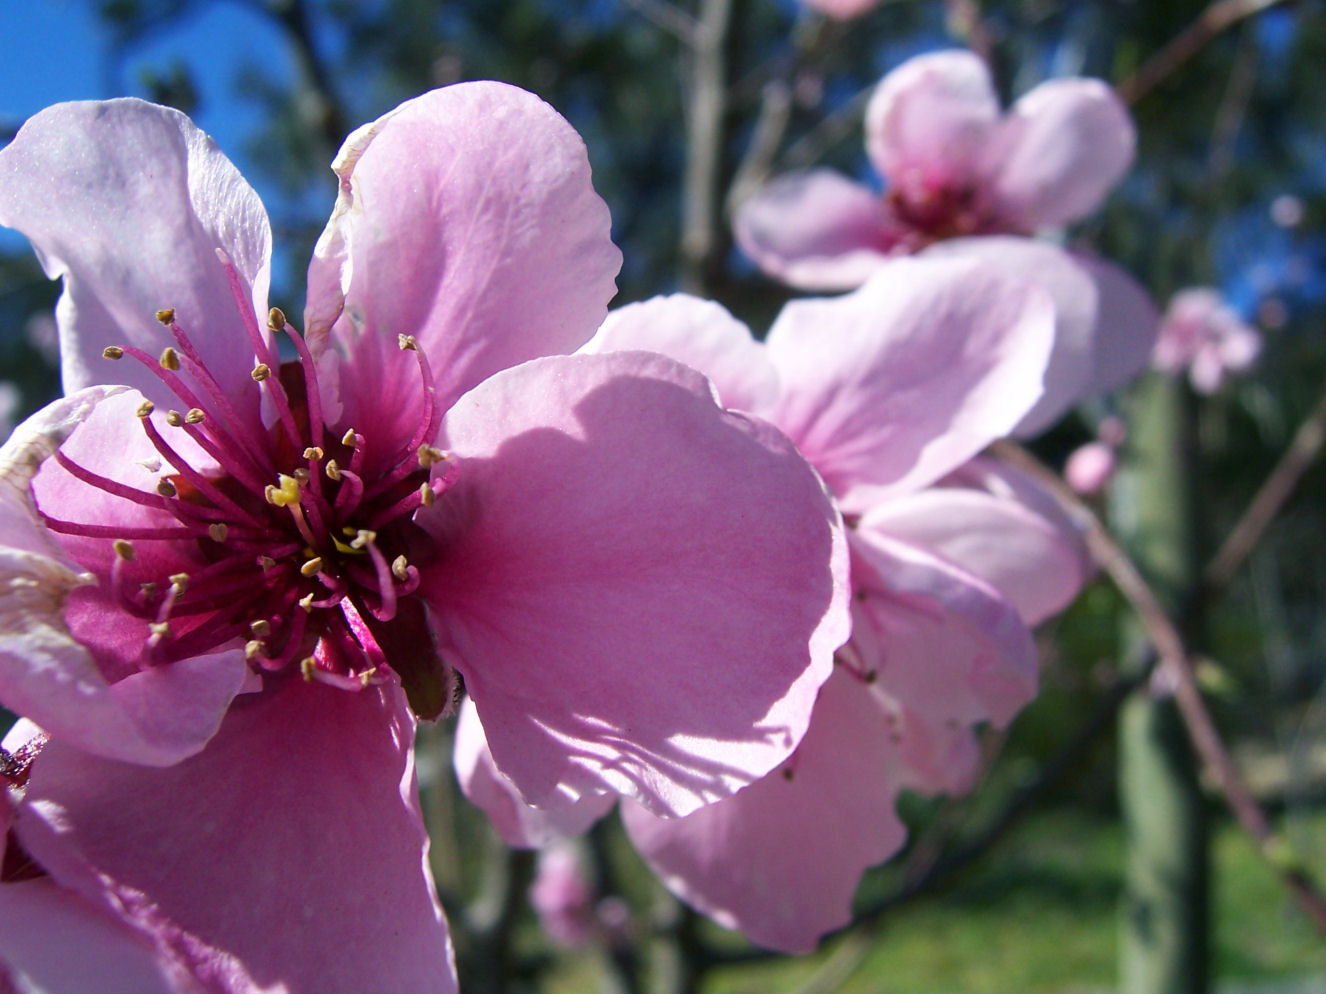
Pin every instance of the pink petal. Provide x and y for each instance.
(289, 852)
(52, 939)
(700, 334)
(780, 860)
(1060, 150)
(929, 121)
(129, 202)
(609, 586)
(816, 230)
(894, 385)
(1036, 562)
(1126, 325)
(947, 649)
(519, 825)
(1089, 468)
(157, 716)
(465, 218)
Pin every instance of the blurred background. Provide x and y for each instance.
(1016, 887)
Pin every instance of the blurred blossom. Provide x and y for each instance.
(562, 897)
(11, 399)
(1201, 334)
(841, 9)
(44, 336)
(1287, 211)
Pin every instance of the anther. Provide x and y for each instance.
(261, 628)
(266, 562)
(261, 371)
(302, 475)
(366, 677)
(174, 419)
(148, 589)
(332, 470)
(349, 438)
(426, 495)
(123, 549)
(429, 455)
(166, 316)
(276, 319)
(159, 629)
(306, 602)
(112, 352)
(362, 538)
(170, 359)
(180, 581)
(166, 489)
(195, 416)
(218, 531)
(252, 648)
(285, 494)
(314, 453)
(306, 668)
(145, 408)
(407, 343)
(400, 568)
(313, 567)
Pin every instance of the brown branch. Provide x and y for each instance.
(1216, 18)
(1178, 664)
(1275, 491)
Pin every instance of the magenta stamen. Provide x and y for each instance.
(408, 504)
(310, 383)
(348, 497)
(386, 585)
(363, 634)
(262, 346)
(110, 486)
(200, 482)
(297, 513)
(115, 531)
(120, 588)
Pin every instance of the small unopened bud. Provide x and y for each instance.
(112, 352)
(166, 316)
(276, 319)
(170, 359)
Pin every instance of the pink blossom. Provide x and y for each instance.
(228, 618)
(1090, 467)
(841, 9)
(561, 896)
(962, 178)
(889, 391)
(1202, 334)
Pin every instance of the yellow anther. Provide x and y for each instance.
(149, 589)
(276, 319)
(112, 352)
(261, 371)
(260, 628)
(195, 416)
(286, 493)
(306, 667)
(313, 567)
(313, 452)
(166, 315)
(145, 408)
(362, 538)
(252, 648)
(407, 343)
(180, 581)
(306, 602)
(349, 438)
(174, 418)
(426, 495)
(400, 568)
(429, 455)
(166, 489)
(366, 677)
(159, 629)
(218, 531)
(332, 470)
(170, 359)
(266, 562)
(123, 549)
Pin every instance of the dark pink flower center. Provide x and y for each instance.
(933, 212)
(294, 547)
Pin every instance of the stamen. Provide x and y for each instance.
(123, 549)
(261, 372)
(399, 565)
(312, 567)
(170, 359)
(166, 316)
(195, 416)
(218, 532)
(166, 489)
(112, 352)
(103, 483)
(261, 628)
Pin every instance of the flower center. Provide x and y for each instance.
(940, 212)
(288, 543)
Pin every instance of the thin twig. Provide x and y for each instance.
(1216, 18)
(706, 107)
(1178, 663)
(1297, 459)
